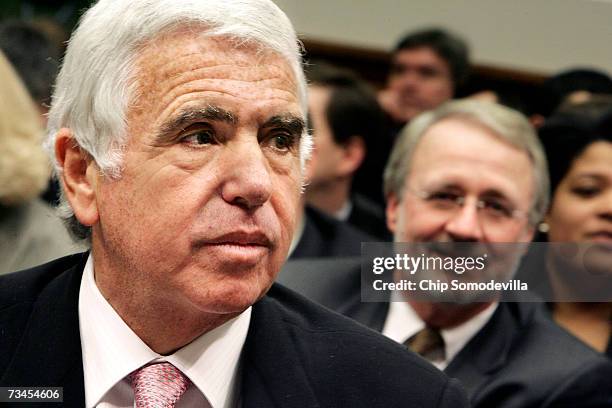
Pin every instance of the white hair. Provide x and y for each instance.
(97, 79)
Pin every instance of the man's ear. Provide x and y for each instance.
(78, 178)
(354, 151)
(392, 212)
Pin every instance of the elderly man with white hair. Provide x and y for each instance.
(177, 130)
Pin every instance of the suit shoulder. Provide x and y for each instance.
(335, 344)
(547, 338)
(567, 353)
(24, 286)
(347, 364)
(561, 367)
(333, 228)
(20, 293)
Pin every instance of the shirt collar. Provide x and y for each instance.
(111, 350)
(343, 213)
(402, 322)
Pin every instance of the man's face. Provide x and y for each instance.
(328, 154)
(458, 158)
(204, 211)
(420, 80)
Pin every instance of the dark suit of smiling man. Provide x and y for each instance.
(177, 129)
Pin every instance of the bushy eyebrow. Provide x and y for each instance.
(292, 123)
(188, 116)
(496, 194)
(488, 193)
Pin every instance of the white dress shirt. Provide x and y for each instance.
(111, 351)
(402, 322)
(344, 213)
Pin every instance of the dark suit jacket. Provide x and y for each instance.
(519, 359)
(324, 236)
(297, 354)
(367, 216)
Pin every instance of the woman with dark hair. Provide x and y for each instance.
(580, 163)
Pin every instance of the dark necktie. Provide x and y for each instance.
(428, 343)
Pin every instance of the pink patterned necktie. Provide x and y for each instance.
(158, 385)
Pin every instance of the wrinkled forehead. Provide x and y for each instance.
(165, 58)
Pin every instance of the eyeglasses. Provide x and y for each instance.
(492, 211)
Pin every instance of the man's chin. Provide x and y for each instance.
(410, 111)
(229, 298)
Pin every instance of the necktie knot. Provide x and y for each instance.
(428, 343)
(158, 385)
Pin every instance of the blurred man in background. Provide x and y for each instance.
(426, 68)
(349, 148)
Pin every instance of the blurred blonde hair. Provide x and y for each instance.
(24, 167)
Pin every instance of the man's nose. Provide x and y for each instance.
(247, 179)
(464, 225)
(409, 79)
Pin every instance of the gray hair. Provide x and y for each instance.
(508, 124)
(97, 80)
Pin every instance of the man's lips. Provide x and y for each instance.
(237, 247)
(239, 238)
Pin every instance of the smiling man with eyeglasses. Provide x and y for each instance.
(472, 175)
(475, 172)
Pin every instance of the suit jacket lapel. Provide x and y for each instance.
(50, 345)
(272, 372)
(487, 352)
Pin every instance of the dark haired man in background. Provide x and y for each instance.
(427, 67)
(351, 147)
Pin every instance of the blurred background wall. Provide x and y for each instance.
(540, 36)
